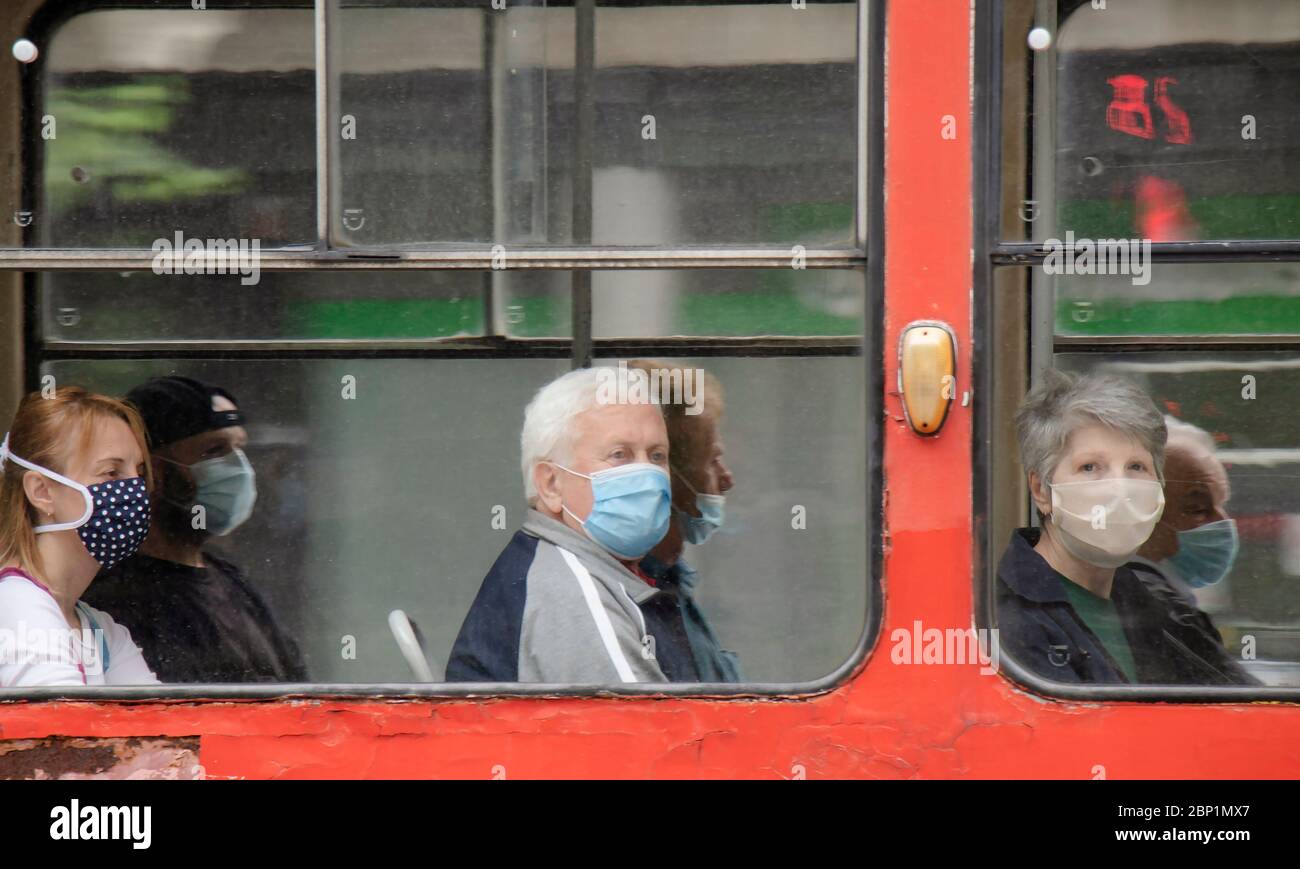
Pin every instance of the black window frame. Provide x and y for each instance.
(994, 253)
(866, 257)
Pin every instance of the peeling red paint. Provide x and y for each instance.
(113, 758)
(888, 721)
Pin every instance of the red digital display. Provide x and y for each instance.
(1129, 112)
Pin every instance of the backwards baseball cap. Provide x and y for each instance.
(175, 408)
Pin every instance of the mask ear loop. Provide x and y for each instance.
(695, 495)
(567, 470)
(1057, 509)
(581, 522)
(72, 484)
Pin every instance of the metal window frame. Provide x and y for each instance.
(867, 256)
(992, 252)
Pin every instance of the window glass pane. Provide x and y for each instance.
(143, 306)
(1242, 400)
(1174, 120)
(367, 504)
(401, 492)
(725, 123)
(811, 454)
(727, 302)
(1181, 299)
(160, 121)
(641, 303)
(533, 303)
(627, 303)
(1209, 595)
(415, 121)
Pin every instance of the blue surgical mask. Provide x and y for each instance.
(1206, 553)
(226, 489)
(630, 508)
(116, 518)
(698, 529)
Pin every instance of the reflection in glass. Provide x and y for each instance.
(142, 306)
(1175, 121)
(1182, 299)
(168, 120)
(375, 304)
(719, 123)
(728, 302)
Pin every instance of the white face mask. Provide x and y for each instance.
(1104, 522)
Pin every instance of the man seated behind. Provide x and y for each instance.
(565, 601)
(1195, 544)
(194, 615)
(701, 480)
(1195, 541)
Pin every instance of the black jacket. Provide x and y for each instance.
(197, 624)
(1172, 642)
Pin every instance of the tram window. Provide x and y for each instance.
(758, 560)
(653, 303)
(1134, 125)
(157, 119)
(713, 123)
(384, 401)
(388, 501)
(87, 306)
(1231, 464)
(1243, 403)
(1170, 120)
(725, 302)
(165, 119)
(1181, 299)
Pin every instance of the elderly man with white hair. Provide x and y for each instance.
(565, 601)
(1070, 606)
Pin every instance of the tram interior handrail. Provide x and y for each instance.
(411, 644)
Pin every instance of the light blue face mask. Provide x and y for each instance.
(698, 529)
(1206, 553)
(630, 508)
(227, 490)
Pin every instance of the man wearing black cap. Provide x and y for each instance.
(194, 615)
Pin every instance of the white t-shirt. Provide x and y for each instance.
(38, 648)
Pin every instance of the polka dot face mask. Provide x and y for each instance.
(116, 517)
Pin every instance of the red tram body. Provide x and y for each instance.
(885, 719)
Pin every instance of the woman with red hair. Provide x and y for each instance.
(74, 498)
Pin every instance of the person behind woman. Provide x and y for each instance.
(74, 497)
(1068, 605)
(700, 481)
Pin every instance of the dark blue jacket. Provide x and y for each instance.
(1172, 643)
(555, 607)
(714, 663)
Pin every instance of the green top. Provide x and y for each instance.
(1101, 617)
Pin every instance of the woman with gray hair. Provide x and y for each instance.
(1068, 606)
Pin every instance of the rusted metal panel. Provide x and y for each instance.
(128, 757)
